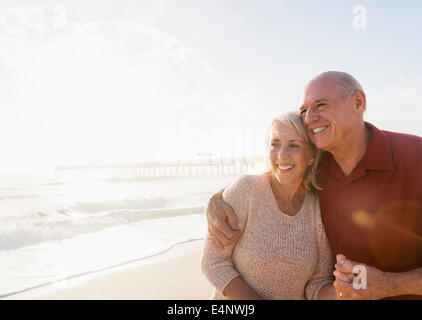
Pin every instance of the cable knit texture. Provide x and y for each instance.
(279, 256)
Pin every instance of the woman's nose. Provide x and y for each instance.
(281, 152)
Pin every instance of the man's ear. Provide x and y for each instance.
(359, 100)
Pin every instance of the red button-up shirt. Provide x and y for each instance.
(374, 216)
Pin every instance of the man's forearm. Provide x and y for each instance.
(222, 221)
(404, 283)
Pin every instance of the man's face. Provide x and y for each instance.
(326, 115)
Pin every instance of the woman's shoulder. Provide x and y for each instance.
(247, 182)
(246, 187)
(312, 203)
(313, 197)
(313, 207)
(240, 194)
(243, 185)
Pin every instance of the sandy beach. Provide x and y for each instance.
(174, 274)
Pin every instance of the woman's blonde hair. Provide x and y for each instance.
(293, 120)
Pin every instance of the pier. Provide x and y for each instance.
(202, 167)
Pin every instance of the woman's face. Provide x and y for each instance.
(290, 155)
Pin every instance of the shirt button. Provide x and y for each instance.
(344, 224)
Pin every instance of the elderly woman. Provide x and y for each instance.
(282, 252)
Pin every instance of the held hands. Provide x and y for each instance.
(222, 222)
(358, 281)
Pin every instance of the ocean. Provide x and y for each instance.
(54, 227)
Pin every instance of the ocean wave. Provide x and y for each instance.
(52, 183)
(128, 203)
(21, 196)
(44, 227)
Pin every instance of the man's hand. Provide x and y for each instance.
(222, 222)
(376, 281)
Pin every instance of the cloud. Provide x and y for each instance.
(42, 40)
(396, 107)
(89, 90)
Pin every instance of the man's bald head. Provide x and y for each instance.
(346, 84)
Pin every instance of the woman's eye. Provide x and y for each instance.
(294, 146)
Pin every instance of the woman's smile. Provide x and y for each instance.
(285, 168)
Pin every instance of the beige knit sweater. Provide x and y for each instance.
(279, 256)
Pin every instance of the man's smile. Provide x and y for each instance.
(319, 129)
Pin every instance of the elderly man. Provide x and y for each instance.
(371, 201)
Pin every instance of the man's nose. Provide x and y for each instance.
(310, 116)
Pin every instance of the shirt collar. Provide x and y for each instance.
(377, 156)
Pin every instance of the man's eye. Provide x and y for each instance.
(321, 105)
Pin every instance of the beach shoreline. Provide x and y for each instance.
(172, 275)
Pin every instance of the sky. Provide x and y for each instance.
(85, 81)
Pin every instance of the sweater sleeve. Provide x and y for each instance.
(325, 267)
(217, 264)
